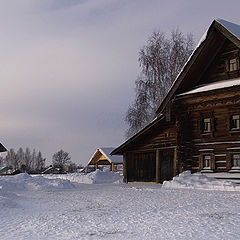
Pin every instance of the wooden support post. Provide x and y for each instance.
(157, 166)
(112, 167)
(175, 159)
(96, 166)
(124, 168)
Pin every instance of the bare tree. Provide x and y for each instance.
(160, 60)
(24, 161)
(21, 159)
(11, 159)
(40, 162)
(60, 159)
(28, 158)
(33, 159)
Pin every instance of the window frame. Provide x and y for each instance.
(232, 64)
(211, 162)
(211, 122)
(234, 122)
(206, 125)
(233, 160)
(207, 158)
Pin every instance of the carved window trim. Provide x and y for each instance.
(233, 123)
(234, 162)
(207, 162)
(232, 64)
(207, 124)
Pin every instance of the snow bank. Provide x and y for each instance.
(200, 181)
(96, 177)
(24, 181)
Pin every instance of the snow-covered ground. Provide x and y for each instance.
(46, 208)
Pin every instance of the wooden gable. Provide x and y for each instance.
(219, 68)
(99, 158)
(205, 62)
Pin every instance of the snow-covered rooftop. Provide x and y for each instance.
(106, 153)
(231, 27)
(114, 158)
(213, 86)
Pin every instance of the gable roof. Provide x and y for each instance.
(106, 153)
(212, 39)
(205, 51)
(134, 137)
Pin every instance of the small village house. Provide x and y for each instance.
(197, 126)
(4, 169)
(102, 158)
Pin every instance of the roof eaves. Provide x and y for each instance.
(92, 156)
(228, 32)
(117, 150)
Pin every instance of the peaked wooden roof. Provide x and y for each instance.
(204, 53)
(104, 154)
(206, 50)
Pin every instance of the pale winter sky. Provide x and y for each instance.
(67, 67)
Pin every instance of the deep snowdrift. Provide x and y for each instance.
(95, 177)
(200, 181)
(24, 181)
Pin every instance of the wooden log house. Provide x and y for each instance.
(197, 126)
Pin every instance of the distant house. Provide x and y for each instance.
(2, 148)
(197, 126)
(103, 158)
(5, 170)
(51, 170)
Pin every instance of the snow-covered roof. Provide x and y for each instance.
(230, 31)
(231, 27)
(221, 24)
(213, 86)
(114, 158)
(106, 153)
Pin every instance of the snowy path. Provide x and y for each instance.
(119, 211)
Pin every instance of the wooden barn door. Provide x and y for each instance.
(166, 165)
(142, 167)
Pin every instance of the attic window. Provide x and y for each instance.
(232, 65)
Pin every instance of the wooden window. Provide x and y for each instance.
(236, 161)
(235, 122)
(206, 125)
(233, 65)
(207, 162)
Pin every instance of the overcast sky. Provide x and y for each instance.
(67, 67)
